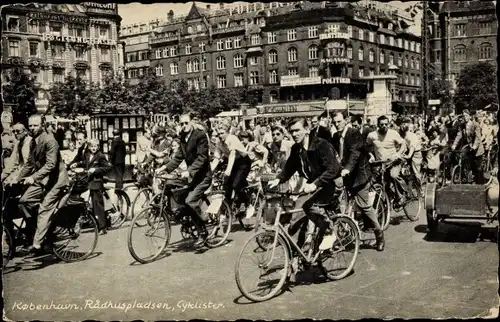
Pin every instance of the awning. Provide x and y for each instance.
(296, 114)
(254, 50)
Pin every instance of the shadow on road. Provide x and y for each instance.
(162, 256)
(35, 263)
(458, 232)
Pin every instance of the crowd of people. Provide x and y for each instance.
(316, 154)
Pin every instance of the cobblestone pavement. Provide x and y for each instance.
(452, 276)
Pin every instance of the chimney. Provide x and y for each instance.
(208, 7)
(170, 16)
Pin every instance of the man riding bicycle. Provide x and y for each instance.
(194, 151)
(385, 143)
(315, 160)
(46, 176)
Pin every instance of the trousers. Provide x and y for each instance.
(194, 199)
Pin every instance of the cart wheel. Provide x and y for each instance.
(432, 221)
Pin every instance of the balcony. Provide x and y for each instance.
(334, 35)
(228, 29)
(336, 60)
(296, 80)
(158, 40)
(336, 80)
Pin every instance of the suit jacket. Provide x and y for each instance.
(101, 166)
(322, 132)
(321, 168)
(118, 151)
(195, 153)
(45, 163)
(470, 135)
(354, 157)
(16, 161)
(80, 154)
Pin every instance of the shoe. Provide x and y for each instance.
(34, 251)
(379, 237)
(103, 231)
(201, 240)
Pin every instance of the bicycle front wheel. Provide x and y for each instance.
(382, 206)
(141, 201)
(148, 240)
(220, 226)
(265, 266)
(414, 203)
(346, 246)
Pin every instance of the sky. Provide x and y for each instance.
(137, 12)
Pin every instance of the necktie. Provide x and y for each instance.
(32, 145)
(20, 151)
(341, 148)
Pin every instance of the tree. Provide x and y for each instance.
(150, 95)
(476, 86)
(115, 95)
(72, 97)
(440, 90)
(20, 91)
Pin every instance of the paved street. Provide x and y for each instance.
(455, 276)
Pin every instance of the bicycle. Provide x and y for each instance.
(144, 191)
(461, 173)
(274, 238)
(71, 222)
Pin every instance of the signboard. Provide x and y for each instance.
(57, 17)
(80, 40)
(334, 35)
(335, 60)
(336, 80)
(109, 8)
(289, 108)
(434, 102)
(296, 80)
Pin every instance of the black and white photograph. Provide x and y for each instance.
(249, 160)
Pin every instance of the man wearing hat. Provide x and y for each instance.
(160, 145)
(117, 158)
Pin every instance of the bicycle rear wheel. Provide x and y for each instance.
(348, 242)
(122, 207)
(219, 226)
(414, 202)
(7, 246)
(76, 243)
(141, 201)
(155, 228)
(270, 260)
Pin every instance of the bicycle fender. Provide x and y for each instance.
(430, 196)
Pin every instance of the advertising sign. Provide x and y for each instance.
(82, 40)
(296, 80)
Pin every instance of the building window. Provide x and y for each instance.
(459, 53)
(190, 84)
(80, 53)
(332, 28)
(418, 80)
(335, 49)
(400, 60)
(382, 39)
(55, 28)
(417, 48)
(238, 61)
(372, 72)
(371, 56)
(105, 54)
(382, 57)
(417, 63)
(165, 52)
(349, 71)
(406, 61)
(255, 40)
(292, 54)
(188, 49)
(361, 72)
(254, 78)
(313, 32)
(34, 49)
(313, 71)
(412, 46)
(273, 97)
(407, 97)
(158, 53)
(360, 33)
(237, 42)
(371, 36)
(81, 73)
(293, 71)
(58, 75)
(273, 56)
(391, 59)
(291, 35)
(202, 47)
(221, 81)
(221, 62)
(189, 67)
(349, 52)
(173, 51)
(12, 23)
(159, 70)
(104, 32)
(220, 45)
(391, 40)
(14, 48)
(204, 63)
(254, 61)
(485, 51)
(33, 27)
(77, 30)
(57, 51)
(406, 79)
(361, 54)
(485, 28)
(460, 30)
(174, 68)
(273, 77)
(238, 80)
(313, 52)
(406, 45)
(196, 65)
(349, 31)
(271, 37)
(229, 44)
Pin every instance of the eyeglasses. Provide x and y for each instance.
(184, 123)
(383, 124)
(276, 134)
(17, 131)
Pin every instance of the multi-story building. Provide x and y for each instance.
(56, 40)
(136, 41)
(461, 32)
(294, 52)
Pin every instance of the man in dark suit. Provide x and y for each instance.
(97, 165)
(349, 143)
(45, 174)
(117, 158)
(364, 129)
(319, 130)
(81, 140)
(194, 151)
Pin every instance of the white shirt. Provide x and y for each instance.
(231, 143)
(413, 140)
(385, 147)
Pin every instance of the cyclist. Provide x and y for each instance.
(384, 142)
(20, 152)
(43, 172)
(194, 151)
(414, 148)
(315, 160)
